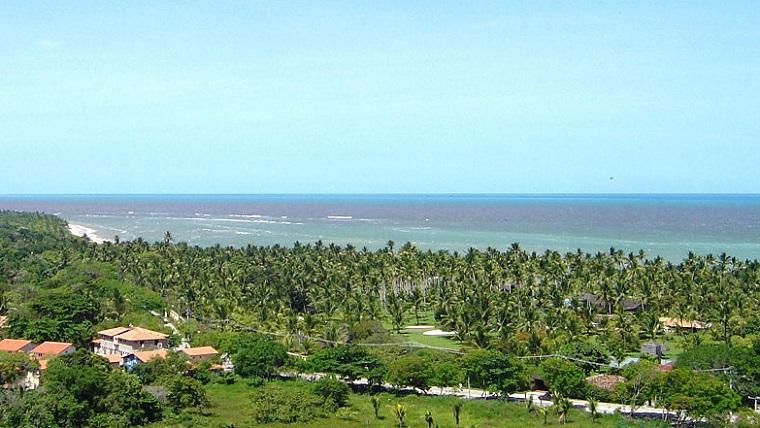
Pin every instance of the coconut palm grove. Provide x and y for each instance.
(327, 335)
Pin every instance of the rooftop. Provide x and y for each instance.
(112, 358)
(200, 351)
(13, 345)
(605, 381)
(114, 331)
(51, 348)
(681, 323)
(146, 356)
(138, 333)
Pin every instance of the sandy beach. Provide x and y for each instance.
(79, 230)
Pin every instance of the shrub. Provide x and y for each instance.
(275, 403)
(330, 388)
(256, 355)
(410, 370)
(186, 392)
(350, 361)
(493, 370)
(563, 377)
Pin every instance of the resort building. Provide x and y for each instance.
(124, 341)
(142, 357)
(200, 353)
(672, 324)
(47, 350)
(114, 360)
(16, 345)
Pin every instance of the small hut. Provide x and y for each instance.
(605, 382)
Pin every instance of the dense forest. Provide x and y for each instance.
(519, 320)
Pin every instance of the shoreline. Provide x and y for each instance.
(80, 231)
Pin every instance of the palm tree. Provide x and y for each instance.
(562, 405)
(457, 412)
(429, 419)
(375, 400)
(400, 412)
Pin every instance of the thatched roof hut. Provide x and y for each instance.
(605, 382)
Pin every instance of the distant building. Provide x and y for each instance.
(671, 324)
(124, 341)
(629, 305)
(200, 353)
(142, 357)
(114, 360)
(47, 350)
(42, 353)
(605, 382)
(16, 345)
(654, 349)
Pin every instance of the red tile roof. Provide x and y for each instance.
(146, 356)
(201, 351)
(114, 331)
(133, 334)
(13, 345)
(51, 348)
(112, 358)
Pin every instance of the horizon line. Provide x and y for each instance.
(519, 194)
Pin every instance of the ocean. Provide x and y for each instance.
(665, 225)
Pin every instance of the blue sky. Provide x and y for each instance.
(379, 96)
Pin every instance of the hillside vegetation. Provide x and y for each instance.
(346, 312)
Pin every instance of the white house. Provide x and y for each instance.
(124, 341)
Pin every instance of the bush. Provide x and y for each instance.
(162, 370)
(274, 403)
(410, 370)
(563, 377)
(330, 388)
(185, 392)
(255, 355)
(493, 371)
(352, 362)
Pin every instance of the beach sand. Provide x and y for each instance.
(79, 230)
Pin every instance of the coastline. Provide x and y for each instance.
(80, 231)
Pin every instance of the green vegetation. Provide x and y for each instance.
(231, 404)
(344, 311)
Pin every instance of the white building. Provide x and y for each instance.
(124, 341)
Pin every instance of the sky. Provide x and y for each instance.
(379, 97)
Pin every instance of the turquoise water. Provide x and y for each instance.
(666, 225)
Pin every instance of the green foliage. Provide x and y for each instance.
(493, 370)
(586, 350)
(277, 403)
(375, 400)
(256, 355)
(399, 411)
(222, 341)
(457, 412)
(700, 395)
(82, 389)
(644, 383)
(411, 370)
(563, 377)
(330, 388)
(162, 370)
(352, 362)
(64, 315)
(13, 366)
(185, 392)
(744, 364)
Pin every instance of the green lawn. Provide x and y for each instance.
(230, 406)
(416, 336)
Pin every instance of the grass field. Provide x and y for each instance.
(426, 318)
(230, 407)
